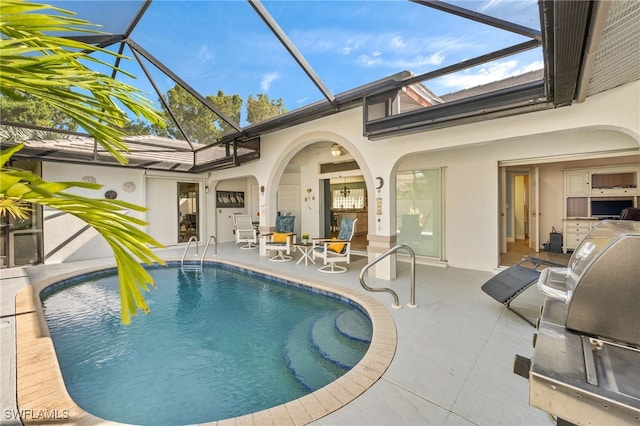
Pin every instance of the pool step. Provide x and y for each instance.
(331, 344)
(308, 367)
(355, 325)
(191, 267)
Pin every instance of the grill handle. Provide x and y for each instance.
(553, 283)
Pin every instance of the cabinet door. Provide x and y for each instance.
(577, 183)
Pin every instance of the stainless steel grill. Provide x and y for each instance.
(586, 363)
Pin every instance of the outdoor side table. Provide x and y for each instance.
(306, 253)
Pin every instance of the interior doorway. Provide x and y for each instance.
(515, 214)
(346, 197)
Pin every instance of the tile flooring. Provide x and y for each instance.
(516, 250)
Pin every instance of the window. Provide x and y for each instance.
(349, 199)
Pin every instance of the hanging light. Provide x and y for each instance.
(336, 150)
(345, 192)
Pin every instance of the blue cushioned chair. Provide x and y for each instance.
(282, 239)
(333, 251)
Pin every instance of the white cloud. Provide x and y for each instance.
(523, 12)
(371, 60)
(204, 54)
(420, 61)
(267, 79)
(350, 44)
(491, 4)
(488, 73)
(398, 42)
(533, 66)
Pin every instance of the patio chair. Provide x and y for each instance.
(282, 239)
(335, 250)
(245, 231)
(189, 221)
(508, 284)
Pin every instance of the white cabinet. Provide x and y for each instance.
(575, 230)
(594, 194)
(576, 183)
(623, 182)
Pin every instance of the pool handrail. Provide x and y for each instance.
(396, 304)
(215, 248)
(193, 238)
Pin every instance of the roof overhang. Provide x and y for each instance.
(565, 26)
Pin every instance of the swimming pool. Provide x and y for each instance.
(291, 343)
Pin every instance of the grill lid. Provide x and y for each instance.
(601, 285)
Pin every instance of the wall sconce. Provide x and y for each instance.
(336, 150)
(206, 189)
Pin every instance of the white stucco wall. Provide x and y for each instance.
(88, 245)
(223, 229)
(154, 190)
(605, 125)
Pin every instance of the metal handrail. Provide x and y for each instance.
(215, 248)
(412, 302)
(193, 238)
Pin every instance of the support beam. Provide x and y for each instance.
(134, 46)
(483, 19)
(291, 48)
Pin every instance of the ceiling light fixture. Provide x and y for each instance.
(336, 150)
(345, 192)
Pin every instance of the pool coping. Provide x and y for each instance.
(42, 394)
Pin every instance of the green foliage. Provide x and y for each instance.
(195, 119)
(15, 133)
(139, 127)
(199, 123)
(230, 105)
(47, 68)
(51, 70)
(108, 217)
(28, 110)
(261, 108)
(203, 126)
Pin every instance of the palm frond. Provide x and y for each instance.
(108, 217)
(50, 68)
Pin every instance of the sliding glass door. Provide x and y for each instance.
(188, 221)
(419, 211)
(21, 238)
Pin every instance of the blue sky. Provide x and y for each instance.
(224, 45)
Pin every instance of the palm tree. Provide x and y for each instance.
(50, 69)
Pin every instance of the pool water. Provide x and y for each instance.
(218, 343)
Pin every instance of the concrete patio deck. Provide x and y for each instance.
(452, 365)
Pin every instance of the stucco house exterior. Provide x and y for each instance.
(474, 161)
